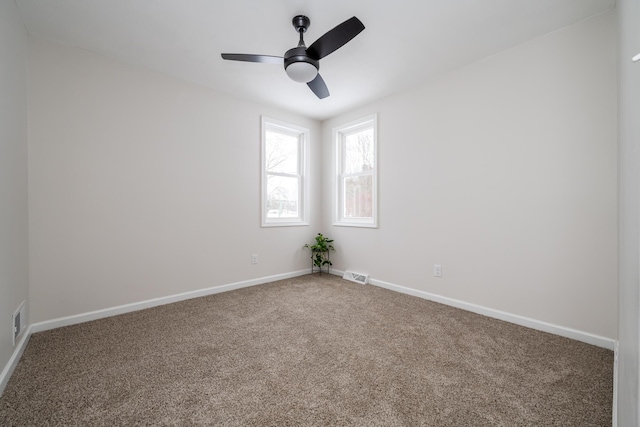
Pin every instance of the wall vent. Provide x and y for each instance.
(361, 278)
(17, 322)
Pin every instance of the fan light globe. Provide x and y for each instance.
(302, 72)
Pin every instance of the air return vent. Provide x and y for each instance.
(361, 278)
(17, 322)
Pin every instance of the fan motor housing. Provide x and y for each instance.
(299, 66)
(299, 54)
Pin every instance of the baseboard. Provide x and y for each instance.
(582, 336)
(14, 359)
(614, 409)
(127, 308)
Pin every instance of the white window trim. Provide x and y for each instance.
(304, 173)
(338, 220)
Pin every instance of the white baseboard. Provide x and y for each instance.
(614, 412)
(127, 308)
(539, 325)
(14, 359)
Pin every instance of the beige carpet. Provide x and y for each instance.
(307, 351)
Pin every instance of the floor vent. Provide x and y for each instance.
(361, 278)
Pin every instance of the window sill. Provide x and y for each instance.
(355, 224)
(284, 224)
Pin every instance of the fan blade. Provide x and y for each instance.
(265, 59)
(319, 87)
(335, 39)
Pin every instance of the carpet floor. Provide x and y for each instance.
(307, 351)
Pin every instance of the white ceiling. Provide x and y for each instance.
(405, 42)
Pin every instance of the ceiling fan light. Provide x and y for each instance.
(302, 72)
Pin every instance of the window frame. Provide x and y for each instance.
(302, 174)
(339, 135)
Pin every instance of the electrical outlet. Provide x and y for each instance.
(437, 270)
(254, 259)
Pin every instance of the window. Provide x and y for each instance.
(285, 166)
(356, 173)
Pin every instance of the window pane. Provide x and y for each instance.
(358, 197)
(358, 152)
(282, 197)
(281, 152)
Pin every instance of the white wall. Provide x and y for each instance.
(144, 186)
(14, 280)
(504, 172)
(629, 216)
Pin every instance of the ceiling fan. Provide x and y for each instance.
(302, 63)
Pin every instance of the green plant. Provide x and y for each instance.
(320, 252)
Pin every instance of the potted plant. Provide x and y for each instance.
(320, 252)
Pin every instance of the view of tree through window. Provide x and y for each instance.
(356, 173)
(283, 162)
(358, 170)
